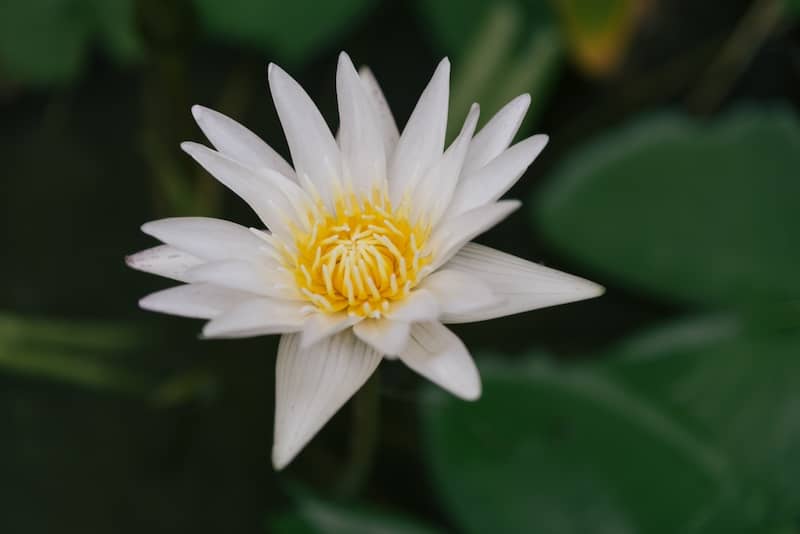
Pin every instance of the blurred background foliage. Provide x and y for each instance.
(672, 404)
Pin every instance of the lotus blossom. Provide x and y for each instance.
(367, 249)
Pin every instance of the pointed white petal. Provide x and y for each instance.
(275, 198)
(239, 143)
(421, 144)
(314, 151)
(318, 326)
(434, 192)
(437, 354)
(490, 182)
(453, 233)
(258, 317)
(363, 152)
(201, 301)
(312, 384)
(384, 335)
(419, 305)
(497, 135)
(389, 131)
(252, 277)
(459, 292)
(206, 238)
(523, 285)
(163, 260)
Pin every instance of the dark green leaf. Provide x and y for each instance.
(546, 450)
(47, 41)
(455, 23)
(288, 31)
(693, 211)
(42, 42)
(735, 382)
(90, 354)
(315, 516)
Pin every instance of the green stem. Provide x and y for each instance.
(363, 438)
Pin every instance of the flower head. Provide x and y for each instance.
(366, 250)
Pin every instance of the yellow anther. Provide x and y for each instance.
(359, 258)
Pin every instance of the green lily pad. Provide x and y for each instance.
(47, 41)
(317, 516)
(702, 212)
(735, 382)
(290, 32)
(548, 450)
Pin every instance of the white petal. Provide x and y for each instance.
(437, 354)
(363, 152)
(201, 301)
(252, 277)
(384, 335)
(389, 132)
(523, 285)
(453, 233)
(434, 192)
(497, 135)
(163, 260)
(239, 143)
(419, 305)
(314, 151)
(258, 317)
(312, 384)
(459, 292)
(498, 176)
(275, 198)
(421, 144)
(318, 326)
(206, 238)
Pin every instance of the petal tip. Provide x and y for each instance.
(190, 147)
(471, 395)
(147, 228)
(344, 57)
(146, 303)
(198, 111)
(596, 290)
(281, 458)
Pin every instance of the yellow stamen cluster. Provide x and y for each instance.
(361, 258)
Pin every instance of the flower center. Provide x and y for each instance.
(361, 258)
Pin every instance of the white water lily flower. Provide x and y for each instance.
(368, 246)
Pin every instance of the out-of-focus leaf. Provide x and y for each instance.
(47, 41)
(493, 43)
(91, 354)
(288, 31)
(599, 31)
(687, 210)
(546, 450)
(534, 71)
(455, 23)
(42, 42)
(70, 351)
(114, 21)
(735, 382)
(503, 59)
(315, 516)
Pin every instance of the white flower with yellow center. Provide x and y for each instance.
(366, 251)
